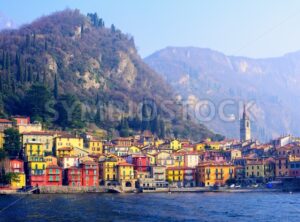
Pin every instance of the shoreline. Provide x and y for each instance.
(95, 190)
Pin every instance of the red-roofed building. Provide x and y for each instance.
(73, 176)
(5, 123)
(90, 173)
(141, 163)
(21, 120)
(53, 176)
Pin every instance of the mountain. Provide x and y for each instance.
(270, 85)
(67, 58)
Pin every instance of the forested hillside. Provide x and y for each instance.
(70, 63)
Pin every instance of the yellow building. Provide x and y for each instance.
(41, 137)
(214, 173)
(234, 154)
(32, 127)
(95, 147)
(1, 140)
(151, 159)
(65, 152)
(175, 144)
(214, 145)
(125, 174)
(68, 141)
(255, 169)
(178, 159)
(134, 150)
(174, 174)
(158, 142)
(34, 149)
(108, 169)
(19, 182)
(125, 171)
(36, 166)
(164, 159)
(200, 147)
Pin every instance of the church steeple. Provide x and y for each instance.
(245, 128)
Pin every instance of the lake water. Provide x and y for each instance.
(152, 207)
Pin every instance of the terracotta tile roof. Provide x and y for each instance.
(5, 121)
(53, 167)
(64, 149)
(38, 133)
(125, 164)
(179, 168)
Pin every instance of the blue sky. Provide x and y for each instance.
(254, 28)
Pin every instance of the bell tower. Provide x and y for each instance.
(245, 127)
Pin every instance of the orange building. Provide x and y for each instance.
(214, 173)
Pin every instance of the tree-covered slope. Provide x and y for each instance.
(68, 58)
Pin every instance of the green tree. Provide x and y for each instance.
(8, 178)
(69, 112)
(162, 130)
(113, 28)
(97, 118)
(55, 90)
(124, 128)
(36, 100)
(29, 74)
(12, 145)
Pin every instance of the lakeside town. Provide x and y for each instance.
(58, 161)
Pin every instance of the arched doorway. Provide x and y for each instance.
(128, 184)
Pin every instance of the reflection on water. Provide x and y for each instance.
(153, 207)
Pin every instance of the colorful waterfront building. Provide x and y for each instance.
(23, 124)
(53, 176)
(108, 170)
(178, 159)
(158, 173)
(199, 147)
(44, 137)
(191, 159)
(282, 166)
(140, 163)
(5, 124)
(73, 176)
(17, 166)
(36, 171)
(181, 176)
(68, 141)
(95, 147)
(255, 169)
(90, 174)
(50, 160)
(164, 158)
(69, 161)
(125, 175)
(134, 150)
(214, 173)
(175, 144)
(294, 166)
(65, 152)
(34, 149)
